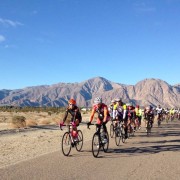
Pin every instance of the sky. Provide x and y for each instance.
(44, 42)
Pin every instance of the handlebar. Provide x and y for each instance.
(90, 125)
(70, 124)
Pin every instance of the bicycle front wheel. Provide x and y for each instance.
(117, 136)
(66, 144)
(123, 134)
(111, 130)
(79, 142)
(148, 130)
(95, 145)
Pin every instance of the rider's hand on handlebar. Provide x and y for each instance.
(88, 124)
(73, 124)
(61, 124)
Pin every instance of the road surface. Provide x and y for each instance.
(156, 157)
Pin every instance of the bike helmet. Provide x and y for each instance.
(113, 101)
(118, 100)
(137, 106)
(72, 101)
(98, 100)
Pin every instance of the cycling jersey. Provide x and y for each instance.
(100, 111)
(138, 112)
(159, 110)
(75, 114)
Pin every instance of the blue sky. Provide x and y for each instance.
(43, 42)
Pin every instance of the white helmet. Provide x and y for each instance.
(113, 101)
(118, 100)
(98, 100)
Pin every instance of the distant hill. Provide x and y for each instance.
(147, 91)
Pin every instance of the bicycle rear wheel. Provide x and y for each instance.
(117, 136)
(95, 145)
(111, 130)
(79, 143)
(66, 144)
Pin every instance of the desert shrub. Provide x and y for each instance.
(18, 121)
(49, 113)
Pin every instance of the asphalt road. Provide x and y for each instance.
(156, 157)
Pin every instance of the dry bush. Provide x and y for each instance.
(18, 122)
(31, 123)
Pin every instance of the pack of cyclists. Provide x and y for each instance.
(130, 115)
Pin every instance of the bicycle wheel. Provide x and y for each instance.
(79, 143)
(66, 143)
(95, 145)
(111, 130)
(117, 136)
(106, 145)
(148, 130)
(123, 134)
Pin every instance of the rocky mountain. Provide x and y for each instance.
(147, 91)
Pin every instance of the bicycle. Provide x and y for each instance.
(159, 119)
(119, 132)
(69, 140)
(98, 140)
(149, 125)
(112, 127)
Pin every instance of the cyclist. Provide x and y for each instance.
(138, 112)
(111, 110)
(76, 117)
(103, 114)
(159, 111)
(128, 118)
(148, 114)
(171, 112)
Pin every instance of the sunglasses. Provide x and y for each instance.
(71, 104)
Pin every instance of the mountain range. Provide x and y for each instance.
(145, 92)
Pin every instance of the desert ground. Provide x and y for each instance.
(40, 136)
(25, 150)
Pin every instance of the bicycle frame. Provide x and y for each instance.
(97, 140)
(68, 140)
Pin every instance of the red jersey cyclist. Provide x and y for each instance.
(75, 113)
(103, 114)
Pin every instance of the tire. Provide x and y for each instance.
(106, 145)
(111, 130)
(66, 144)
(79, 143)
(117, 136)
(95, 145)
(123, 135)
(149, 128)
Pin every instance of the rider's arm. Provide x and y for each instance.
(105, 114)
(92, 115)
(65, 115)
(114, 113)
(124, 113)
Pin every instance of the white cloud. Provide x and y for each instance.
(2, 38)
(7, 22)
(143, 7)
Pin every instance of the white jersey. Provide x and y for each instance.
(159, 110)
